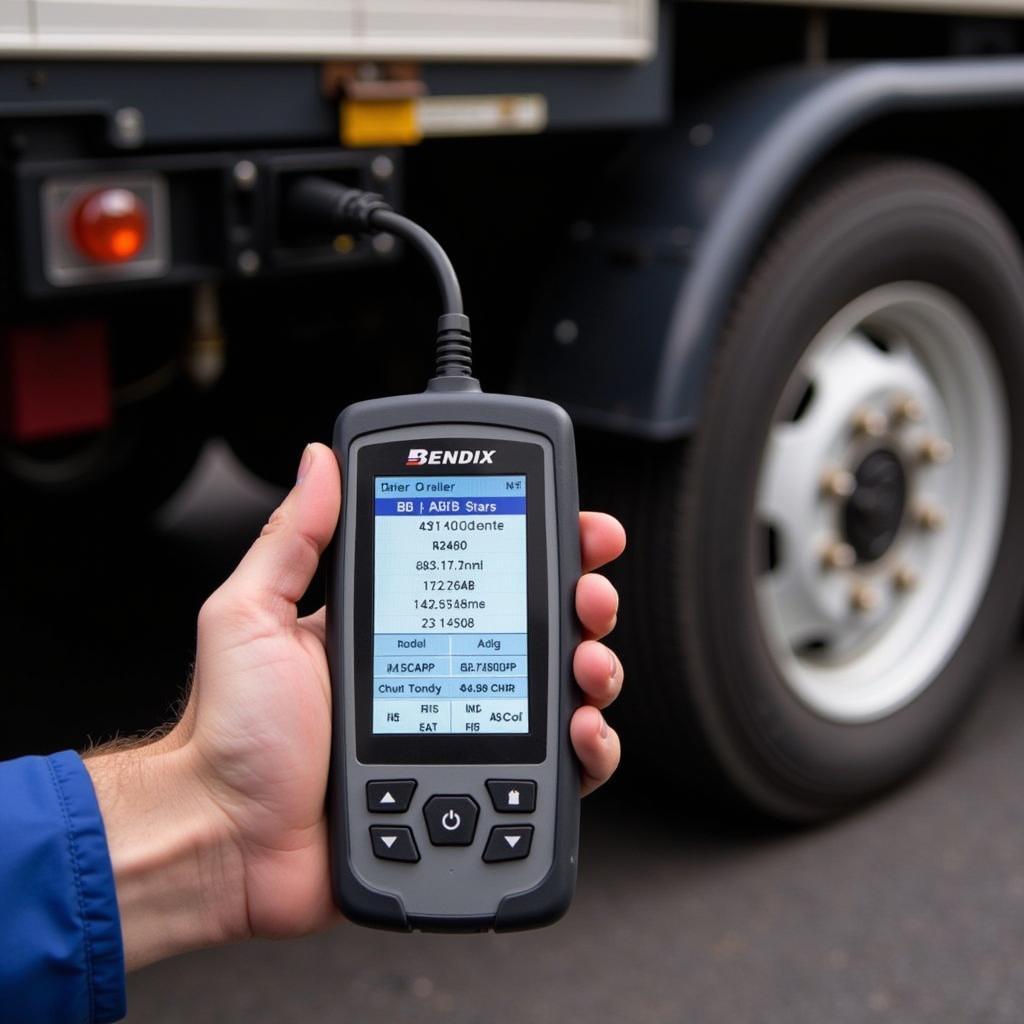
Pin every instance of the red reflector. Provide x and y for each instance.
(110, 225)
(56, 380)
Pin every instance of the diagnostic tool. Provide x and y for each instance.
(454, 797)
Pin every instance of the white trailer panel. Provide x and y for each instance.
(616, 30)
(14, 16)
(505, 28)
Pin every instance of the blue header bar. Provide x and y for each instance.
(483, 506)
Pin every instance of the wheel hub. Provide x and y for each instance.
(873, 514)
(881, 489)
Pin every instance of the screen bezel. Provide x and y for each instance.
(522, 458)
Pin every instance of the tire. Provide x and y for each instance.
(725, 584)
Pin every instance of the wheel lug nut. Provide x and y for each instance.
(930, 517)
(838, 483)
(838, 555)
(870, 422)
(907, 409)
(864, 597)
(905, 578)
(935, 450)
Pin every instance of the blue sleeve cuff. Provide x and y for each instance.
(61, 954)
(95, 891)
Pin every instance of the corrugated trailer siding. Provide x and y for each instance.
(453, 29)
(169, 18)
(565, 27)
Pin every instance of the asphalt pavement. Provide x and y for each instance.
(912, 910)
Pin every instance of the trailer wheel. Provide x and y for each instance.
(828, 570)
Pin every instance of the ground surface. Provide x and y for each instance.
(911, 911)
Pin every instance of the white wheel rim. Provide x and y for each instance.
(856, 643)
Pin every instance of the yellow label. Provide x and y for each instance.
(379, 123)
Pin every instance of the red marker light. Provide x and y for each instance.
(110, 225)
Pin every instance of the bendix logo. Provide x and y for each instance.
(458, 457)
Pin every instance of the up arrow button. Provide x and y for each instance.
(389, 796)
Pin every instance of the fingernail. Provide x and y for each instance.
(304, 464)
(611, 665)
(604, 728)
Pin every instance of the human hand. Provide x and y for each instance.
(217, 831)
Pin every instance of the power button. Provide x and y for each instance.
(451, 820)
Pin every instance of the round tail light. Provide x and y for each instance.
(110, 225)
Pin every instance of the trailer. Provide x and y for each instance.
(767, 255)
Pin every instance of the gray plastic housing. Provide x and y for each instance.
(451, 889)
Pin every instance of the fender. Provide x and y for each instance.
(624, 334)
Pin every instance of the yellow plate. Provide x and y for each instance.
(379, 123)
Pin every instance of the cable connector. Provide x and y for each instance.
(316, 201)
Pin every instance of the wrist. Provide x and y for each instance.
(178, 869)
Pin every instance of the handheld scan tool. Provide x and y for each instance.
(454, 798)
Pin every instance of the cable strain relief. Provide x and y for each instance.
(454, 346)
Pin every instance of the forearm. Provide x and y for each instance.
(178, 872)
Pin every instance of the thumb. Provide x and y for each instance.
(278, 568)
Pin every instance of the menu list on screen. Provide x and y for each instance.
(450, 605)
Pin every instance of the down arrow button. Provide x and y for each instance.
(508, 842)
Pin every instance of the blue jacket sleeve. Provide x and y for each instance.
(61, 957)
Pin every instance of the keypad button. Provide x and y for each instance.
(508, 842)
(513, 796)
(451, 820)
(389, 796)
(394, 843)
